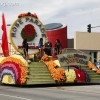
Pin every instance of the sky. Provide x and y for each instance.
(76, 14)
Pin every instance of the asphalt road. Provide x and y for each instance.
(67, 92)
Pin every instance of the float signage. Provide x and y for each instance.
(26, 27)
(68, 59)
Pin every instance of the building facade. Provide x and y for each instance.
(88, 43)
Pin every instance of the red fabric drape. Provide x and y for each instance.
(4, 37)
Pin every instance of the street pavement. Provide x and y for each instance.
(51, 92)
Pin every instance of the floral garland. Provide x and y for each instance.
(58, 74)
(27, 14)
(93, 67)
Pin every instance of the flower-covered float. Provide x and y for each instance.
(15, 69)
(64, 68)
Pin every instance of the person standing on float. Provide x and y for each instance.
(57, 46)
(25, 47)
(48, 47)
(40, 45)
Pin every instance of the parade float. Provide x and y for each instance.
(67, 67)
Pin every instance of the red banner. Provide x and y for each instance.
(4, 37)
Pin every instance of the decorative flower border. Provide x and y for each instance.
(15, 67)
(27, 14)
(93, 67)
(58, 74)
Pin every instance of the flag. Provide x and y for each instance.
(4, 37)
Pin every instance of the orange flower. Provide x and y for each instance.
(58, 74)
